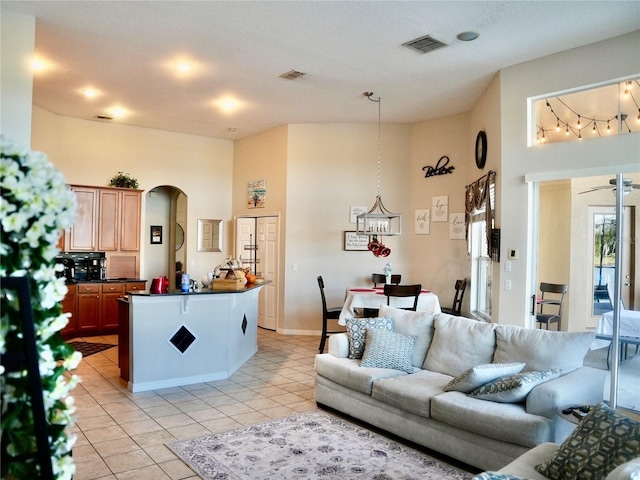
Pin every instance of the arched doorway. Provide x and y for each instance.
(166, 207)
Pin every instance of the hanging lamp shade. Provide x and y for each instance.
(378, 221)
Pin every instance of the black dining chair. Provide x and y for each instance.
(461, 286)
(404, 291)
(327, 314)
(377, 278)
(558, 291)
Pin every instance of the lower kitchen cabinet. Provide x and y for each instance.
(69, 306)
(88, 308)
(111, 292)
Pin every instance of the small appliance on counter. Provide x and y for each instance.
(83, 267)
(159, 285)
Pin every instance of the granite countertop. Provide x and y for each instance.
(202, 291)
(110, 280)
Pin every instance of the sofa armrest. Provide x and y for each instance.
(584, 386)
(339, 345)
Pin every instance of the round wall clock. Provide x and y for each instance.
(481, 149)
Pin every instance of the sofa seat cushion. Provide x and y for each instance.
(417, 324)
(349, 373)
(503, 421)
(460, 343)
(542, 349)
(412, 393)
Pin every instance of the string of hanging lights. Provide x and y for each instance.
(580, 122)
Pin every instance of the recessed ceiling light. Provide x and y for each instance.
(227, 104)
(232, 129)
(118, 112)
(88, 92)
(183, 67)
(467, 36)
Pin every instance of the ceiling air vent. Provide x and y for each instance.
(104, 117)
(291, 75)
(424, 44)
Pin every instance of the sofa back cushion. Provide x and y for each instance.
(417, 324)
(541, 349)
(458, 344)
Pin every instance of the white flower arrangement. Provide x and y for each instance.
(35, 207)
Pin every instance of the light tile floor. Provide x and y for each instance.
(122, 435)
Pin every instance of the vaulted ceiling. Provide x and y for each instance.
(127, 51)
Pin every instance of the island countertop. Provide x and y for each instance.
(201, 291)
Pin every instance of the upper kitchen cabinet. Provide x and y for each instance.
(107, 220)
(119, 220)
(83, 235)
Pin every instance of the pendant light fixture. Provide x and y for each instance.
(378, 221)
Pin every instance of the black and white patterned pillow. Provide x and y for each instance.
(513, 388)
(385, 349)
(603, 440)
(481, 374)
(357, 332)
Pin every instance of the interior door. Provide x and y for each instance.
(257, 241)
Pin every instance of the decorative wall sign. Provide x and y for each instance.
(456, 226)
(355, 211)
(441, 168)
(440, 209)
(353, 241)
(422, 222)
(257, 194)
(156, 234)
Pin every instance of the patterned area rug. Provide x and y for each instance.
(312, 445)
(89, 348)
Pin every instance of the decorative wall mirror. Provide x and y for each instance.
(179, 236)
(209, 235)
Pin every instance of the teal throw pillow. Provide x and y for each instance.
(481, 374)
(385, 349)
(513, 388)
(496, 476)
(602, 441)
(357, 332)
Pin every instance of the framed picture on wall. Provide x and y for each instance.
(355, 242)
(156, 234)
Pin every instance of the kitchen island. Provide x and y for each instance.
(173, 339)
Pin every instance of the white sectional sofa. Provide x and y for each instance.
(420, 402)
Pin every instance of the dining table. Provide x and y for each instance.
(629, 332)
(373, 298)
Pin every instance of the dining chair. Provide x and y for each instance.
(558, 291)
(377, 278)
(404, 291)
(327, 314)
(456, 308)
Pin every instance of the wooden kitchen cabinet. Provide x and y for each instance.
(135, 286)
(119, 220)
(88, 308)
(111, 292)
(83, 234)
(69, 306)
(107, 220)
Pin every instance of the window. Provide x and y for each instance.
(481, 224)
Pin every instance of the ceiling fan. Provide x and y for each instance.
(627, 186)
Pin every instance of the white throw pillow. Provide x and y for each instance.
(385, 349)
(513, 388)
(542, 349)
(481, 374)
(460, 343)
(357, 331)
(417, 324)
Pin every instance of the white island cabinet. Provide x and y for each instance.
(184, 338)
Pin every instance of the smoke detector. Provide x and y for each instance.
(291, 75)
(424, 44)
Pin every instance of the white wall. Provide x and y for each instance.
(91, 152)
(589, 65)
(17, 40)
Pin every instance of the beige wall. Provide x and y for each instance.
(17, 40)
(91, 152)
(601, 62)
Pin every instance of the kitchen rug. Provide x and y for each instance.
(312, 445)
(89, 348)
